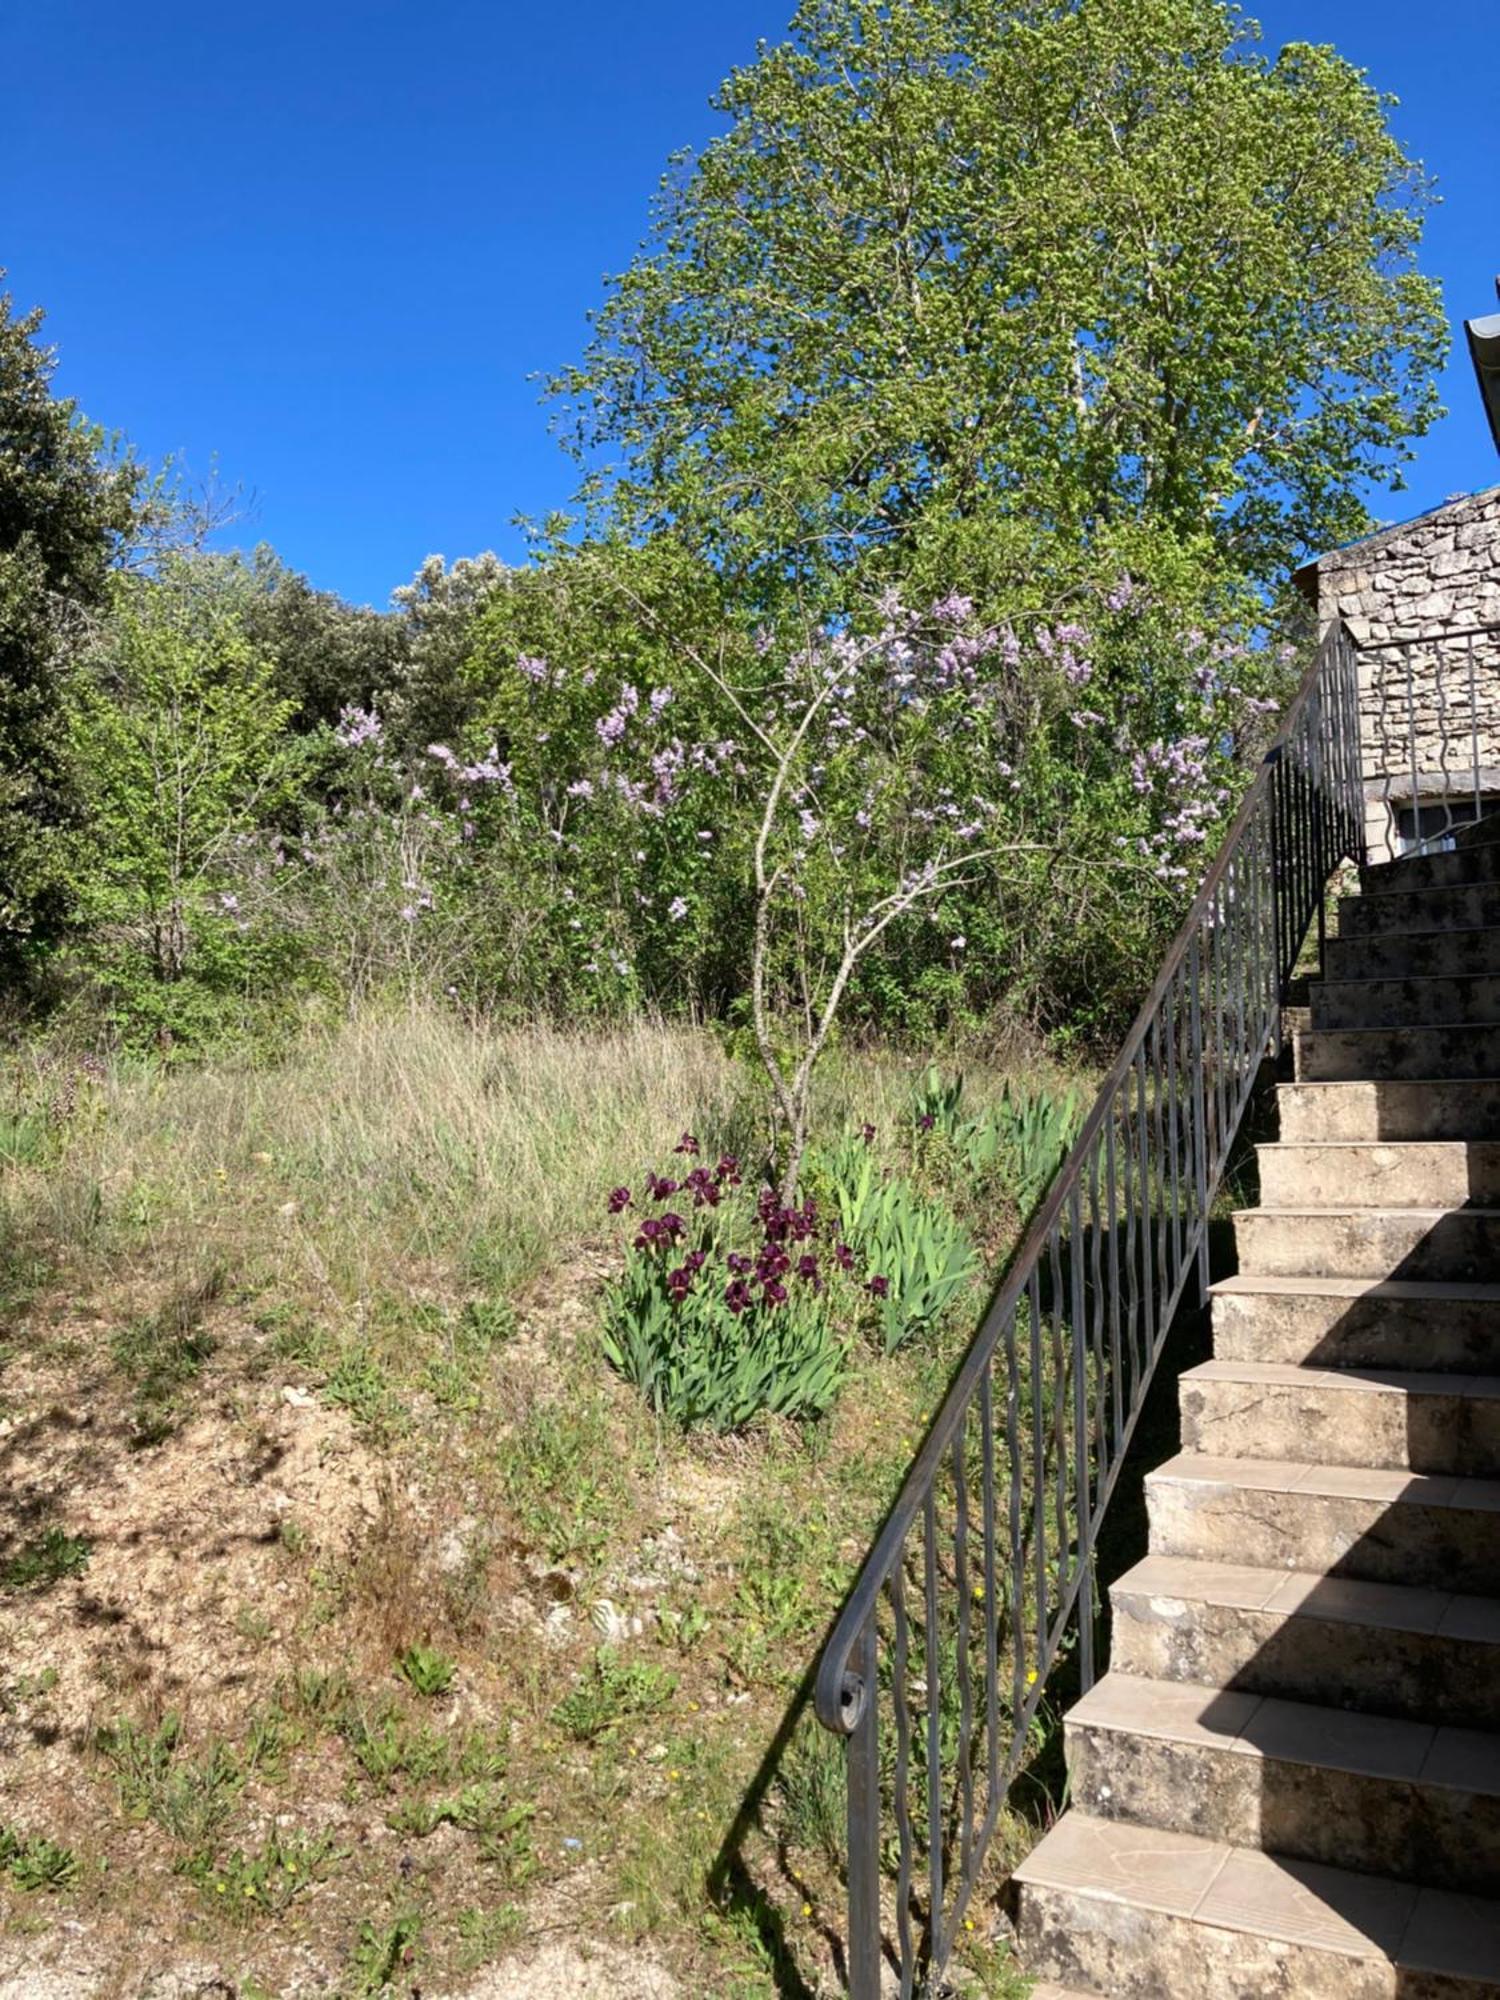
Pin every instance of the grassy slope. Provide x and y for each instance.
(300, 1374)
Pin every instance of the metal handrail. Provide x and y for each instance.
(1065, 1354)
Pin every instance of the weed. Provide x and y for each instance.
(483, 1934)
(189, 1798)
(611, 1693)
(265, 1882)
(34, 1862)
(360, 1385)
(561, 1475)
(426, 1671)
(811, 1787)
(46, 1559)
(382, 1952)
(164, 1353)
(485, 1810)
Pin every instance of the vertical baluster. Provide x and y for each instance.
(1419, 817)
(1474, 724)
(1082, 1494)
(901, 1781)
(958, 1460)
(1112, 1212)
(1038, 1459)
(1061, 1354)
(1172, 1194)
(933, 1663)
(1018, 1648)
(991, 1585)
(862, 1768)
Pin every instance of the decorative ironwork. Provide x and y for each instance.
(983, 1574)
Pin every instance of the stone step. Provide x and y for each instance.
(1369, 1792)
(1402, 1420)
(1457, 1245)
(1383, 1526)
(1358, 1323)
(1383, 1648)
(1422, 1108)
(1433, 1173)
(1142, 1914)
(1445, 868)
(1473, 906)
(1362, 1055)
(1393, 954)
(1421, 1000)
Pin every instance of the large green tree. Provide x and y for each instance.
(66, 506)
(981, 294)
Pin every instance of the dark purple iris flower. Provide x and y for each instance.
(807, 1267)
(687, 1144)
(619, 1200)
(729, 1170)
(844, 1257)
(774, 1291)
(879, 1288)
(737, 1296)
(867, 1133)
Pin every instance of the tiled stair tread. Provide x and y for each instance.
(1449, 1148)
(1353, 1482)
(1407, 1212)
(1354, 1381)
(1293, 1732)
(1280, 1285)
(1298, 1903)
(1394, 1607)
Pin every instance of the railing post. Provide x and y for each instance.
(862, 1767)
(1200, 1109)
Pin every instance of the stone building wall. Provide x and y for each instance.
(1422, 601)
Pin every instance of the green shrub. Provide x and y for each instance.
(916, 1250)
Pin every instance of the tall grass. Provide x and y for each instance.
(396, 1149)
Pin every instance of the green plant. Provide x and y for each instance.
(34, 1862)
(1035, 1132)
(935, 1102)
(561, 1474)
(612, 1692)
(359, 1384)
(47, 1558)
(485, 1810)
(811, 1788)
(266, 1881)
(484, 1933)
(189, 1798)
(382, 1952)
(164, 1353)
(916, 1251)
(426, 1670)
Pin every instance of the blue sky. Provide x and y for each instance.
(330, 243)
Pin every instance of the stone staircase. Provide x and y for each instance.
(1288, 1783)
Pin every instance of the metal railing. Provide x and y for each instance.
(1430, 729)
(982, 1577)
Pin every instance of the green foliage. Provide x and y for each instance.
(979, 291)
(190, 1798)
(1034, 1132)
(916, 1246)
(46, 1559)
(382, 1954)
(612, 1693)
(66, 504)
(184, 746)
(34, 1862)
(266, 1881)
(426, 1670)
(700, 1364)
(163, 1353)
(561, 1473)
